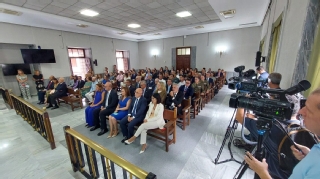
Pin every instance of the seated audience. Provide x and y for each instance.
(138, 80)
(98, 100)
(150, 82)
(42, 92)
(99, 79)
(119, 78)
(131, 88)
(108, 106)
(120, 112)
(182, 81)
(80, 83)
(169, 86)
(197, 86)
(154, 119)
(72, 81)
(86, 87)
(205, 84)
(162, 79)
(60, 91)
(156, 81)
(146, 93)
(174, 99)
(135, 115)
(161, 90)
(51, 91)
(187, 89)
(105, 79)
(209, 80)
(89, 94)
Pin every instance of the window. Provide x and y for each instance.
(80, 65)
(76, 52)
(183, 51)
(122, 60)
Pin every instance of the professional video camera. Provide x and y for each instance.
(244, 79)
(270, 109)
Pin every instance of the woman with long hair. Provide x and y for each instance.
(87, 86)
(154, 119)
(24, 87)
(161, 89)
(98, 100)
(120, 112)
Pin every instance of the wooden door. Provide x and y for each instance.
(183, 58)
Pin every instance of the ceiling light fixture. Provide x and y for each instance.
(157, 34)
(199, 27)
(82, 25)
(228, 13)
(134, 25)
(183, 14)
(88, 12)
(121, 33)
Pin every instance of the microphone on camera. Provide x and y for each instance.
(301, 86)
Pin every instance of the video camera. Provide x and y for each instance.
(246, 81)
(271, 109)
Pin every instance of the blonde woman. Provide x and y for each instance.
(24, 87)
(161, 89)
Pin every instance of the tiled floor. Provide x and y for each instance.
(24, 153)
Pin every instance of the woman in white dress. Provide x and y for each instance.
(154, 119)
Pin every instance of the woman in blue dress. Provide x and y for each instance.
(120, 112)
(98, 100)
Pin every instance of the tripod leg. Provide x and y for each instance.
(222, 145)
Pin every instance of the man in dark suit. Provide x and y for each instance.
(209, 80)
(131, 88)
(219, 73)
(150, 82)
(109, 105)
(169, 86)
(60, 91)
(136, 114)
(138, 80)
(174, 99)
(80, 82)
(146, 93)
(42, 92)
(186, 89)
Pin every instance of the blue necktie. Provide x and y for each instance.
(134, 107)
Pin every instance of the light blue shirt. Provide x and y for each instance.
(93, 86)
(309, 167)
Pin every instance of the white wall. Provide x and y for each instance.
(290, 37)
(241, 44)
(103, 49)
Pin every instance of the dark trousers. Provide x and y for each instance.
(52, 99)
(127, 128)
(100, 117)
(41, 95)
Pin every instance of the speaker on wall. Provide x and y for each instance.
(95, 62)
(258, 58)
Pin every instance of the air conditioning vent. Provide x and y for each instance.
(139, 39)
(199, 27)
(248, 24)
(228, 13)
(121, 33)
(82, 25)
(11, 12)
(157, 34)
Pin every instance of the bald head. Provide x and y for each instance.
(61, 80)
(108, 86)
(138, 93)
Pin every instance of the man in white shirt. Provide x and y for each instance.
(161, 79)
(182, 82)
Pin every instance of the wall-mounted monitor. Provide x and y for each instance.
(12, 69)
(38, 56)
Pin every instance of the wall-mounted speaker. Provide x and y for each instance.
(258, 59)
(95, 62)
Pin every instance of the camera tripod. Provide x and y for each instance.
(264, 125)
(229, 133)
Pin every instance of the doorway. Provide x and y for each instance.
(80, 63)
(122, 58)
(183, 58)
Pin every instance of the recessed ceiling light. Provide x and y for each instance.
(228, 13)
(199, 27)
(157, 34)
(184, 14)
(121, 33)
(82, 25)
(134, 25)
(88, 12)
(11, 12)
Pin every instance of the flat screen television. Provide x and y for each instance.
(38, 56)
(11, 69)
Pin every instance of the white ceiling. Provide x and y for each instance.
(153, 16)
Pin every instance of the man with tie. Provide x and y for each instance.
(130, 87)
(80, 83)
(138, 80)
(136, 114)
(187, 89)
(209, 80)
(150, 82)
(42, 92)
(146, 93)
(108, 107)
(169, 86)
(60, 91)
(174, 99)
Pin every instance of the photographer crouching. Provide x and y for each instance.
(309, 166)
(275, 136)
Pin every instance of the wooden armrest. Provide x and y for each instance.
(186, 108)
(196, 99)
(168, 124)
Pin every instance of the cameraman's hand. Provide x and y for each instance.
(261, 168)
(297, 153)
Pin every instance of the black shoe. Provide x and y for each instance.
(103, 131)
(39, 102)
(55, 107)
(86, 125)
(94, 128)
(50, 106)
(124, 139)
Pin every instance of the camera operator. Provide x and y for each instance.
(263, 75)
(276, 135)
(309, 165)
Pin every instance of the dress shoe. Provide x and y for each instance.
(127, 142)
(50, 106)
(39, 102)
(55, 107)
(141, 151)
(103, 131)
(94, 128)
(124, 139)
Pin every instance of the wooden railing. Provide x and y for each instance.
(77, 142)
(37, 118)
(6, 96)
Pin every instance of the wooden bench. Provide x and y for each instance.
(195, 108)
(186, 105)
(72, 98)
